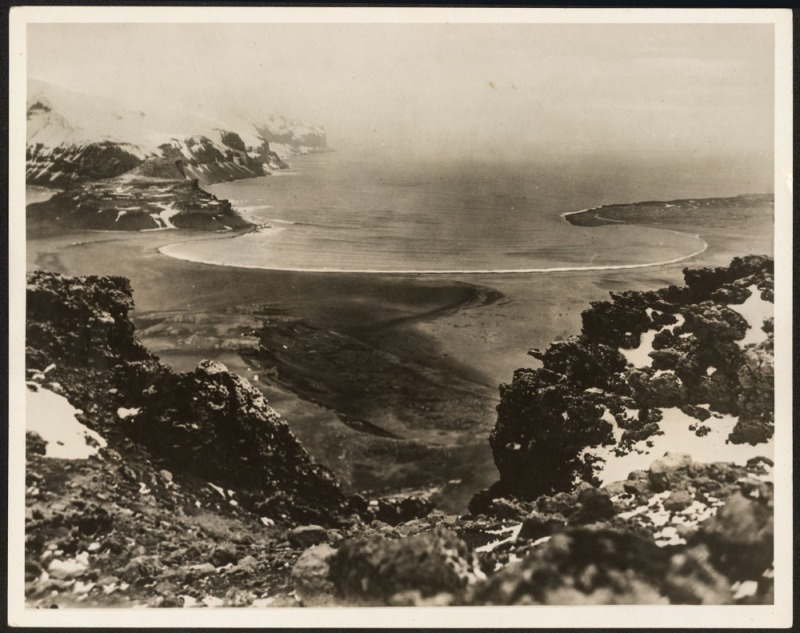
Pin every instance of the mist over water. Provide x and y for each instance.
(350, 212)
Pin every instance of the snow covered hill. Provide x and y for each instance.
(290, 138)
(73, 137)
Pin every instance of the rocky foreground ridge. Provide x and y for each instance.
(187, 490)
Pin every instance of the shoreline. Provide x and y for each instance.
(405, 272)
(437, 323)
(164, 250)
(260, 225)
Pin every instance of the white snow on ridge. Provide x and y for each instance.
(167, 214)
(125, 413)
(61, 117)
(754, 310)
(511, 530)
(52, 417)
(640, 356)
(679, 438)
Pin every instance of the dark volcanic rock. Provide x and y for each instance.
(305, 536)
(34, 444)
(311, 577)
(593, 505)
(584, 364)
(536, 525)
(582, 566)
(209, 422)
(373, 571)
(756, 395)
(549, 417)
(224, 554)
(702, 282)
(214, 424)
(741, 536)
(617, 323)
(605, 566)
(80, 320)
(542, 424)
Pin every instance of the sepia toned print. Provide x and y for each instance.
(357, 312)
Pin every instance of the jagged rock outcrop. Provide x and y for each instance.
(209, 423)
(227, 158)
(587, 566)
(597, 391)
(201, 496)
(214, 424)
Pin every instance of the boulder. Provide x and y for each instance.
(223, 554)
(536, 525)
(581, 566)
(594, 504)
(678, 500)
(740, 537)
(310, 576)
(662, 470)
(307, 535)
(372, 571)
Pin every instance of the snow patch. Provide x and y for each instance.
(512, 530)
(167, 214)
(679, 438)
(754, 310)
(124, 413)
(52, 417)
(218, 489)
(640, 356)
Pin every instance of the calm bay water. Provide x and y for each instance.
(335, 212)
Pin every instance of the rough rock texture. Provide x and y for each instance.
(694, 543)
(137, 203)
(214, 424)
(195, 499)
(583, 566)
(62, 165)
(310, 573)
(542, 425)
(586, 387)
(209, 422)
(203, 498)
(377, 571)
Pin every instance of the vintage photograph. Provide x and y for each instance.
(338, 309)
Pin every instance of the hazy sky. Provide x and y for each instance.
(499, 90)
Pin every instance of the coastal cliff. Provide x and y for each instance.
(135, 203)
(72, 138)
(155, 488)
(79, 143)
